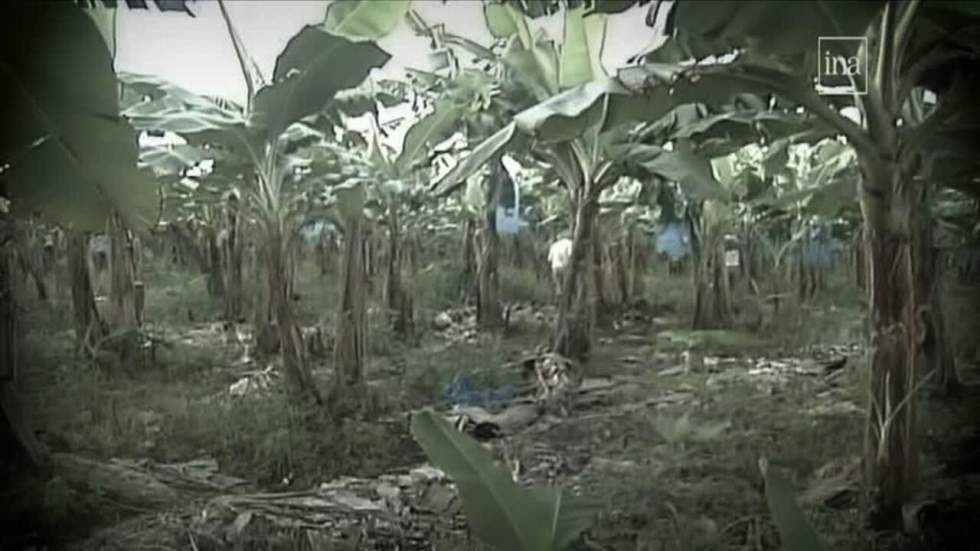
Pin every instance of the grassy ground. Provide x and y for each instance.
(676, 489)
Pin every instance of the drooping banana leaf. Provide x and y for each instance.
(480, 155)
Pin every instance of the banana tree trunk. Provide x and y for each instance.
(188, 243)
(414, 248)
(27, 252)
(938, 346)
(601, 310)
(891, 205)
(231, 258)
(179, 252)
(328, 254)
(468, 261)
(620, 269)
(637, 253)
(622, 257)
(803, 277)
(139, 291)
(292, 255)
(488, 310)
(572, 337)
(14, 425)
(709, 277)
(122, 295)
(398, 301)
(351, 350)
(216, 272)
(89, 326)
(538, 258)
(712, 292)
(937, 353)
(371, 259)
(631, 269)
(124, 309)
(859, 259)
(265, 330)
(295, 365)
(518, 259)
(489, 314)
(55, 262)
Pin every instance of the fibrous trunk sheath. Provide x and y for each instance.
(89, 326)
(398, 301)
(124, 313)
(713, 308)
(231, 258)
(572, 336)
(294, 359)
(468, 250)
(891, 453)
(351, 349)
(14, 425)
(488, 310)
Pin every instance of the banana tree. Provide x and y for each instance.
(67, 155)
(544, 70)
(711, 217)
(902, 137)
(201, 198)
(625, 217)
(544, 208)
(820, 183)
(394, 177)
(65, 152)
(258, 142)
(586, 117)
(201, 202)
(957, 236)
(901, 143)
(494, 94)
(208, 225)
(566, 128)
(357, 184)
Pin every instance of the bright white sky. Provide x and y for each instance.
(197, 54)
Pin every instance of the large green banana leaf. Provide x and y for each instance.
(320, 61)
(580, 60)
(360, 21)
(796, 533)
(499, 511)
(314, 66)
(432, 129)
(64, 150)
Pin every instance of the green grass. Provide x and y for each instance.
(524, 286)
(170, 411)
(174, 297)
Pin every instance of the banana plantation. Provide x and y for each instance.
(529, 275)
